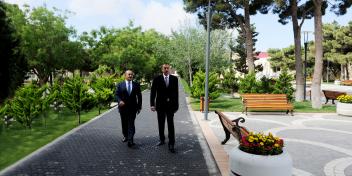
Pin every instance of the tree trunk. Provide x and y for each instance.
(318, 66)
(299, 96)
(190, 71)
(342, 73)
(249, 40)
(349, 70)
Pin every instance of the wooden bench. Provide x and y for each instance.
(346, 82)
(330, 94)
(232, 127)
(266, 102)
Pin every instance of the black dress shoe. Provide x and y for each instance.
(124, 139)
(160, 143)
(130, 144)
(172, 148)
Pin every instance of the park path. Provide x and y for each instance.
(96, 148)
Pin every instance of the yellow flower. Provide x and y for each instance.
(261, 143)
(276, 145)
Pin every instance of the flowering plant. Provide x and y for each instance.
(345, 98)
(261, 144)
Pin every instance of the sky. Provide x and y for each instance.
(167, 15)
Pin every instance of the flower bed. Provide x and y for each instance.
(261, 144)
(345, 98)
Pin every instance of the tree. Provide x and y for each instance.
(290, 10)
(239, 47)
(76, 96)
(27, 104)
(45, 39)
(283, 85)
(231, 14)
(197, 89)
(230, 81)
(13, 66)
(187, 51)
(338, 48)
(340, 8)
(248, 84)
(104, 89)
(282, 58)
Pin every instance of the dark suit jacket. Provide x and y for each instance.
(162, 97)
(133, 102)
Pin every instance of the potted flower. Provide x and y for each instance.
(260, 154)
(344, 106)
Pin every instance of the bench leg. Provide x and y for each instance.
(291, 112)
(246, 110)
(332, 101)
(227, 137)
(328, 100)
(227, 132)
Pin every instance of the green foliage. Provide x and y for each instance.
(6, 114)
(239, 47)
(13, 65)
(198, 86)
(266, 85)
(46, 43)
(76, 96)
(284, 85)
(230, 81)
(56, 95)
(104, 89)
(27, 104)
(248, 84)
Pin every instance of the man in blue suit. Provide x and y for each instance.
(129, 98)
(164, 100)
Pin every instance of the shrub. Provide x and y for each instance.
(249, 84)
(283, 85)
(198, 86)
(230, 81)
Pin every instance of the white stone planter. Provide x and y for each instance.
(344, 108)
(246, 164)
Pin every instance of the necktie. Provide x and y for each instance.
(129, 88)
(166, 81)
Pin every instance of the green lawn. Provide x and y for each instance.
(16, 142)
(235, 105)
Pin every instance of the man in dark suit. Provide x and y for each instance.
(129, 98)
(164, 100)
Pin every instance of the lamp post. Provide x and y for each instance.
(207, 65)
(305, 39)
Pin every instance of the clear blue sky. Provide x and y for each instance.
(164, 15)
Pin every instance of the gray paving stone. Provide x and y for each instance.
(96, 149)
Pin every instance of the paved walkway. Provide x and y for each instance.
(96, 149)
(320, 144)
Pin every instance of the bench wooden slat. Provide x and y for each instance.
(266, 102)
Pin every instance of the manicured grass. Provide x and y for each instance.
(17, 142)
(235, 105)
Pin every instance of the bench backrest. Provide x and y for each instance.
(264, 98)
(232, 126)
(332, 94)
